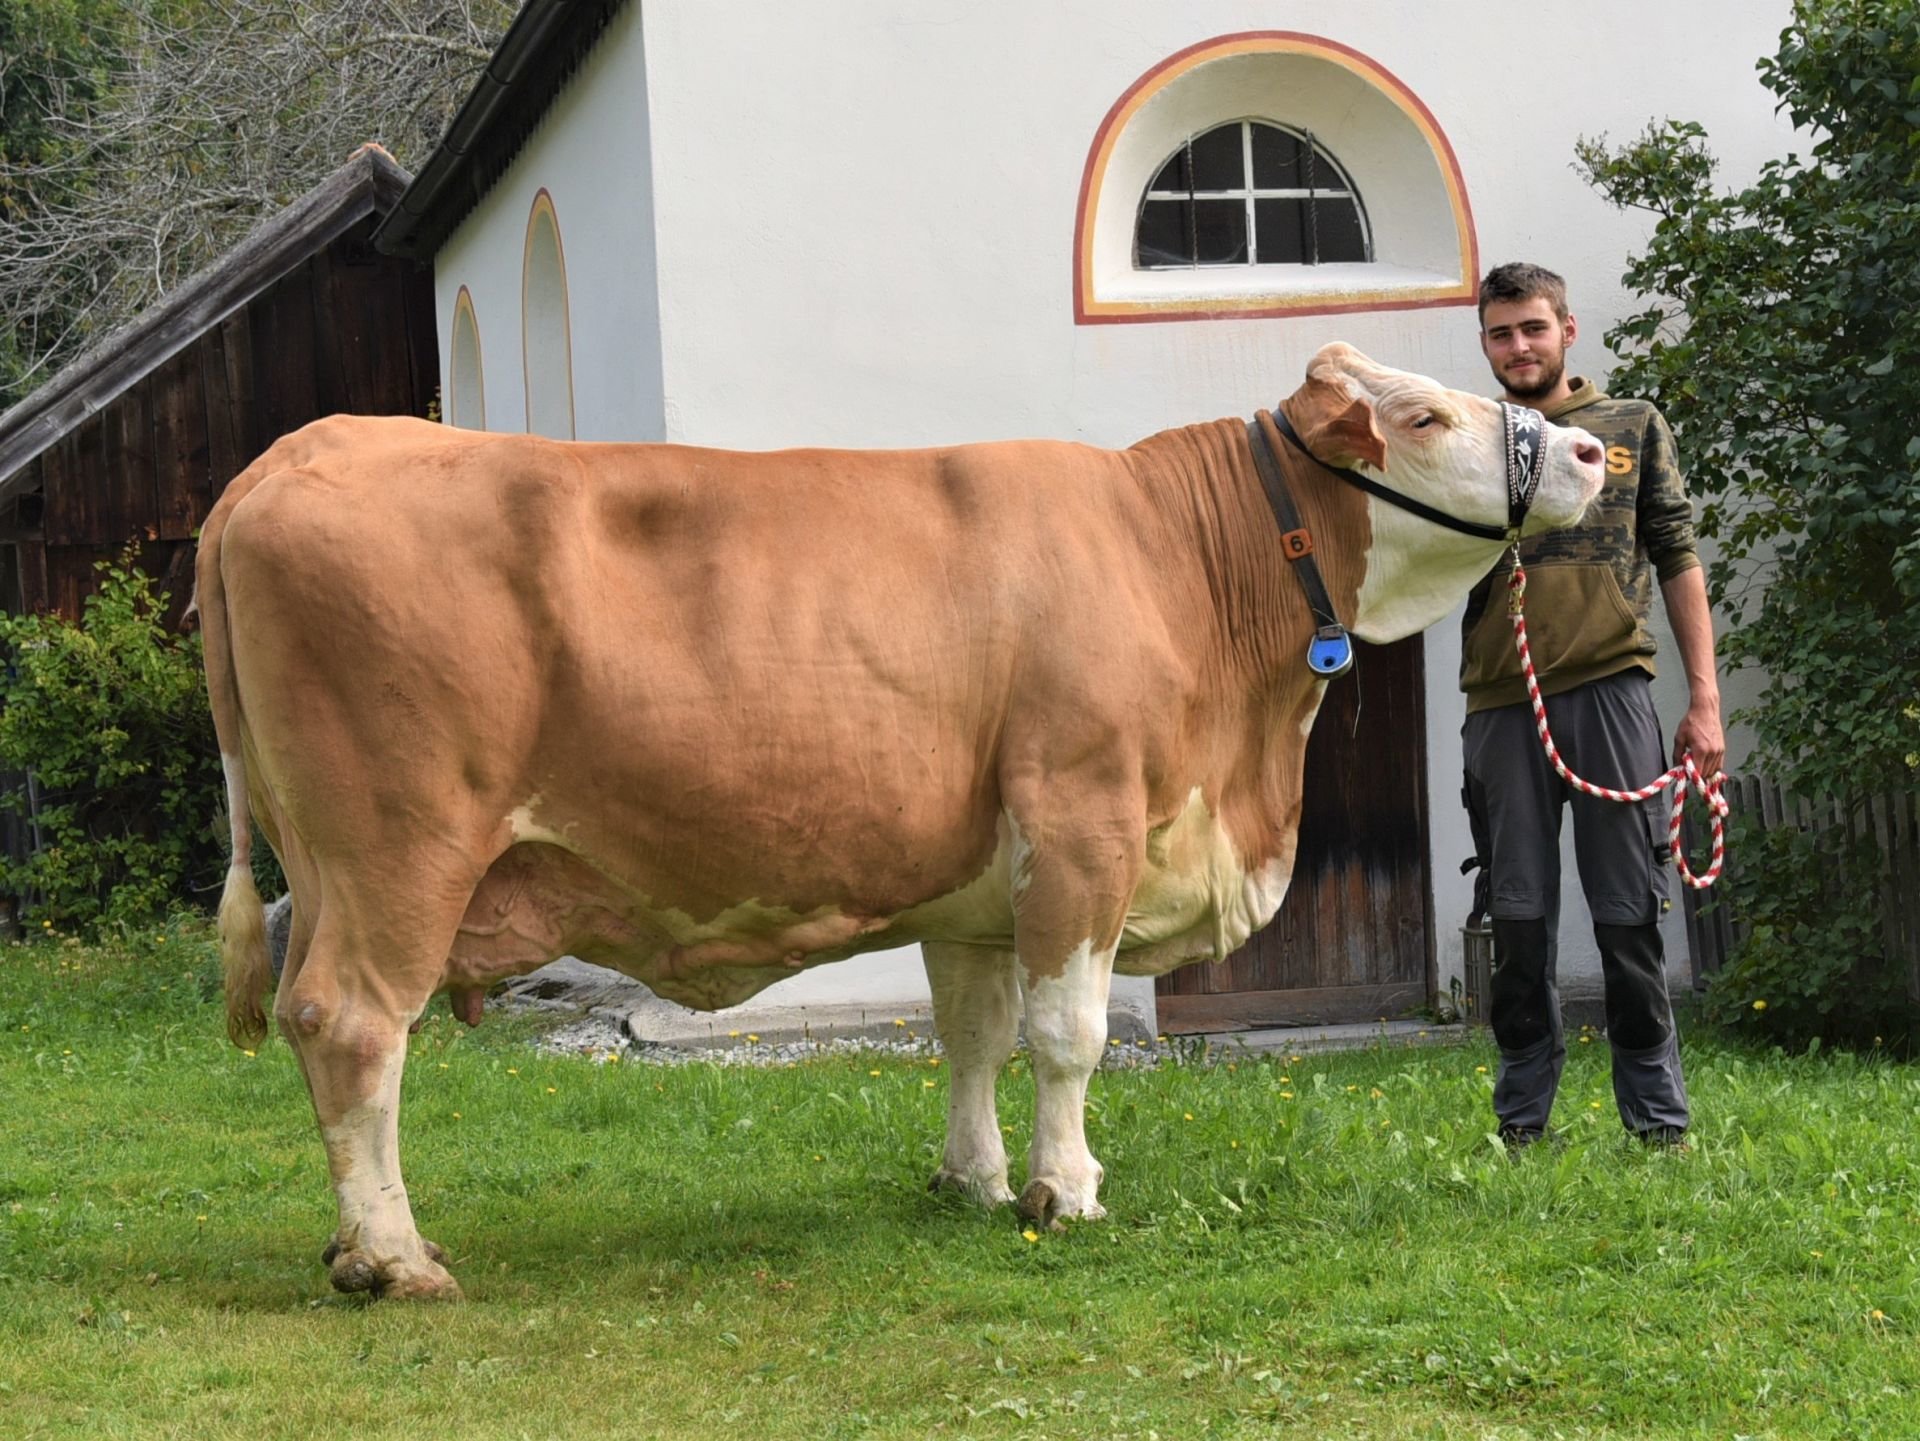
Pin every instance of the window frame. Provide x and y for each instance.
(1250, 193)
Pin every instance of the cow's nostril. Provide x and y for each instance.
(1588, 453)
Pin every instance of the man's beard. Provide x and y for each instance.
(1543, 384)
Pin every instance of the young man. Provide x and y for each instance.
(1589, 590)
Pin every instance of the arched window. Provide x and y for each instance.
(546, 330)
(1229, 179)
(1250, 192)
(466, 387)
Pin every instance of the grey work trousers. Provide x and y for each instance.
(1607, 733)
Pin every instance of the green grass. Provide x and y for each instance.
(1323, 1247)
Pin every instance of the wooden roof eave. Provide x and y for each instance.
(371, 181)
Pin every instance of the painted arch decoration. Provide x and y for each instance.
(1424, 249)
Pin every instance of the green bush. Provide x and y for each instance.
(110, 717)
(1813, 966)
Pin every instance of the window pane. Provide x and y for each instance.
(1217, 161)
(1281, 227)
(1340, 235)
(1276, 159)
(1163, 235)
(1173, 175)
(1221, 227)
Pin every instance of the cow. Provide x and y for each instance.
(712, 717)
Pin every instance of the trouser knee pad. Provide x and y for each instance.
(1523, 1000)
(1633, 961)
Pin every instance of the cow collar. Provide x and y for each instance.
(1330, 652)
(1525, 458)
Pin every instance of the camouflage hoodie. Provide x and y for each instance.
(1589, 588)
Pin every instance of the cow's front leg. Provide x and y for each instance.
(1066, 1032)
(353, 1052)
(976, 1012)
(1070, 899)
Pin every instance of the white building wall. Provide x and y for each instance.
(593, 155)
(865, 219)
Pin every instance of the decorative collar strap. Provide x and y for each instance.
(1505, 534)
(1526, 460)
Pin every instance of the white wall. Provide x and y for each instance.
(593, 156)
(866, 221)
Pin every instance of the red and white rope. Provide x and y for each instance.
(1683, 777)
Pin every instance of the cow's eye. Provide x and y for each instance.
(1424, 421)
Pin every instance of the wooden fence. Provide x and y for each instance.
(1713, 928)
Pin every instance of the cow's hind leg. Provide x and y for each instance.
(346, 1014)
(976, 1011)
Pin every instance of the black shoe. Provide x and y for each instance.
(1518, 1138)
(1664, 1138)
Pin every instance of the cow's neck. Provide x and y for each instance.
(1219, 529)
(1417, 573)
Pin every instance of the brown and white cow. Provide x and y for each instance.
(711, 717)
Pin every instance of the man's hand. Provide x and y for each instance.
(1701, 732)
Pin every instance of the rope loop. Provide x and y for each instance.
(1685, 778)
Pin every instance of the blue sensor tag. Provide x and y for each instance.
(1331, 653)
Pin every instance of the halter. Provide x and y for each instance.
(1330, 653)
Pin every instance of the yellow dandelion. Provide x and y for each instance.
(1594, 1105)
(1189, 1115)
(46, 925)
(1817, 1255)
(1586, 1040)
(819, 1158)
(456, 1115)
(1007, 1130)
(1759, 1005)
(1233, 1065)
(443, 1065)
(553, 1090)
(1033, 1235)
(933, 1060)
(1352, 1089)
(1375, 1092)
(1235, 1145)
(898, 1022)
(1286, 1095)
(1480, 1070)
(1874, 1315)
(69, 1053)
(733, 1035)
(926, 1085)
(247, 1054)
(752, 1040)
(873, 1073)
(201, 1219)
(1286, 1080)
(1293, 1060)
(1113, 1041)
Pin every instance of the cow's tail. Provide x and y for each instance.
(243, 929)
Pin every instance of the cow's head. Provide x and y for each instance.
(1446, 449)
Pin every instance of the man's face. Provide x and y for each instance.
(1526, 344)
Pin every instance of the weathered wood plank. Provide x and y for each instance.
(183, 487)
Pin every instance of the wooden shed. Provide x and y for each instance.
(132, 443)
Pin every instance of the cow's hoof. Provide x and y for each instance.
(991, 1192)
(355, 1271)
(1045, 1204)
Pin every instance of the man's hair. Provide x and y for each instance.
(1518, 280)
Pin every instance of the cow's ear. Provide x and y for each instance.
(1342, 428)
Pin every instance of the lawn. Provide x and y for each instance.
(1324, 1246)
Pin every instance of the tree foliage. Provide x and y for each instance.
(140, 139)
(1780, 333)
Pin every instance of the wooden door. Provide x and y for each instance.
(1353, 940)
